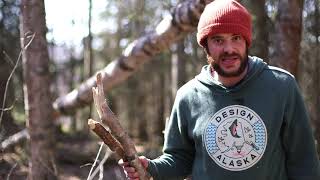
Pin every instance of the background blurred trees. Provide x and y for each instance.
(309, 64)
(143, 102)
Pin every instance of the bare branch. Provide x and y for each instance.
(108, 118)
(8, 59)
(11, 170)
(98, 169)
(11, 74)
(95, 161)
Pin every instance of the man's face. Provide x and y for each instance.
(227, 54)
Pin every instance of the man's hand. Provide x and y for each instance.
(130, 171)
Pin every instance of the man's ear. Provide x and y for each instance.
(205, 47)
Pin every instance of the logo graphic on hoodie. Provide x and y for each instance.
(235, 138)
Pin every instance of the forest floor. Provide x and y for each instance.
(66, 172)
(75, 157)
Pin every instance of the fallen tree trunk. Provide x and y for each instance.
(14, 139)
(183, 21)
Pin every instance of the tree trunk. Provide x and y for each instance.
(88, 55)
(184, 20)
(260, 42)
(288, 30)
(38, 104)
(308, 72)
(159, 124)
(178, 68)
(316, 75)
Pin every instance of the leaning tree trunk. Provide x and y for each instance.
(288, 35)
(38, 104)
(184, 20)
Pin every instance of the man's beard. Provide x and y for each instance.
(221, 72)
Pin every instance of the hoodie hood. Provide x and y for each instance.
(256, 65)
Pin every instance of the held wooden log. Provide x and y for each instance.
(109, 119)
(106, 137)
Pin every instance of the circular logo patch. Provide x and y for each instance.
(235, 138)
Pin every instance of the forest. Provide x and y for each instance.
(145, 54)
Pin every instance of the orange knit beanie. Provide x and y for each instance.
(224, 16)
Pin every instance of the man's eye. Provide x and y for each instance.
(237, 38)
(218, 41)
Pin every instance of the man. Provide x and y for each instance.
(239, 118)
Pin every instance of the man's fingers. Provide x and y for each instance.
(133, 176)
(144, 161)
(130, 169)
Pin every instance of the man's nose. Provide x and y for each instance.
(228, 47)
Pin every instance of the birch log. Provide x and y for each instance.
(182, 21)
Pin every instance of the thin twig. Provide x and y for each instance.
(100, 171)
(52, 170)
(10, 61)
(11, 74)
(11, 170)
(106, 156)
(10, 107)
(95, 161)
(85, 165)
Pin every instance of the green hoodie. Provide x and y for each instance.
(257, 130)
